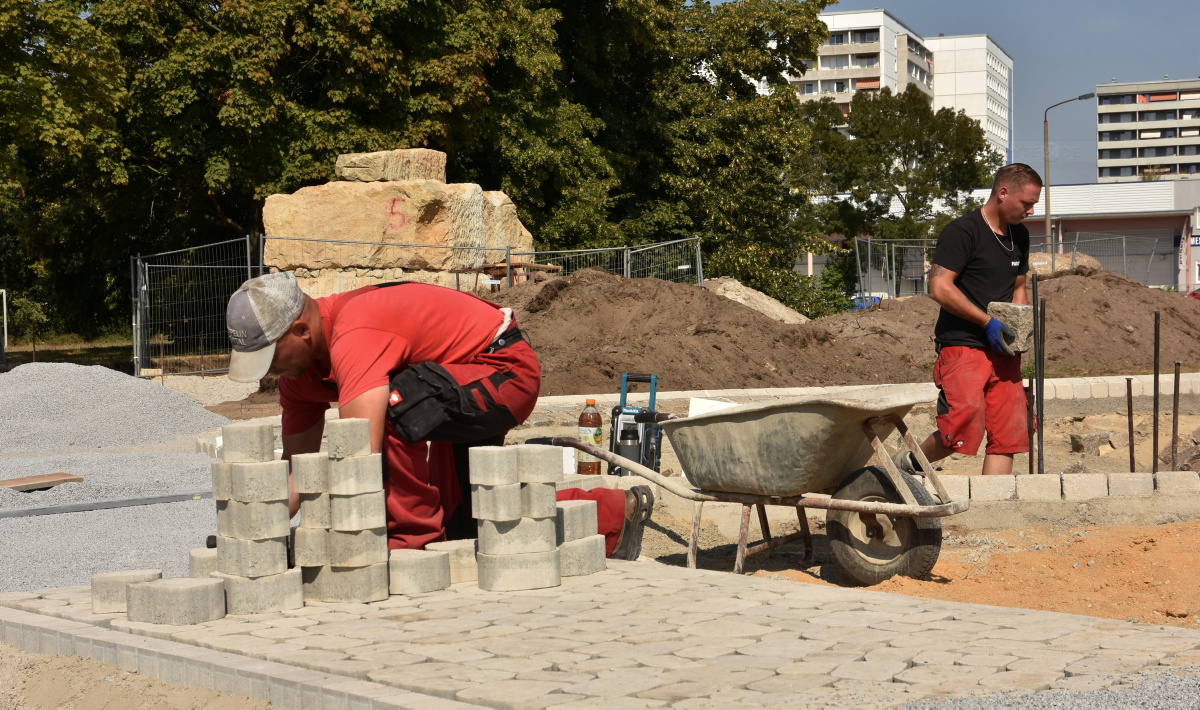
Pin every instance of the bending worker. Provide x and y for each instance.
(423, 364)
(980, 258)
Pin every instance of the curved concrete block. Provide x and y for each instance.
(310, 547)
(360, 512)
(463, 567)
(310, 473)
(247, 443)
(493, 465)
(346, 584)
(539, 500)
(180, 601)
(251, 558)
(539, 463)
(583, 556)
(347, 437)
(314, 510)
(508, 573)
(516, 537)
(109, 588)
(275, 592)
(260, 482)
(202, 562)
(357, 548)
(574, 520)
(496, 502)
(356, 474)
(253, 521)
(418, 571)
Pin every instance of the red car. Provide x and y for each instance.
(1195, 294)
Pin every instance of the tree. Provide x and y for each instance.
(893, 147)
(28, 316)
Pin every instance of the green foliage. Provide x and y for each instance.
(896, 147)
(28, 317)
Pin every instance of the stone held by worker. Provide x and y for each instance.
(1019, 318)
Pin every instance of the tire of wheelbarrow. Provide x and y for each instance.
(909, 549)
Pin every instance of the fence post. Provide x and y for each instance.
(508, 264)
(699, 265)
(1124, 259)
(1053, 249)
(262, 254)
(625, 256)
(1149, 263)
(133, 289)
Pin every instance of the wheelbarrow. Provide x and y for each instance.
(881, 521)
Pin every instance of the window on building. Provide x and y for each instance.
(1125, 171)
(1125, 117)
(1163, 133)
(1117, 99)
(1118, 154)
(1189, 132)
(1157, 169)
(1158, 115)
(864, 36)
(1116, 135)
(1189, 168)
(1189, 150)
(837, 38)
(866, 61)
(1189, 95)
(1189, 114)
(1162, 96)
(835, 61)
(1159, 152)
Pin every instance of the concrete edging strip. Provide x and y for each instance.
(103, 505)
(183, 664)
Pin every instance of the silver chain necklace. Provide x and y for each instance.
(1008, 230)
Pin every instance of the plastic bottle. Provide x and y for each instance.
(590, 432)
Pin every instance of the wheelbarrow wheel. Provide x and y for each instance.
(871, 548)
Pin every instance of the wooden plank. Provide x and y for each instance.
(34, 483)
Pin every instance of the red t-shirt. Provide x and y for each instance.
(372, 332)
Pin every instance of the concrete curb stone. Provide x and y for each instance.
(1044, 487)
(1130, 484)
(1085, 486)
(1177, 482)
(987, 488)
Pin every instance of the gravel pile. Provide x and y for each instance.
(66, 550)
(115, 476)
(1167, 691)
(54, 406)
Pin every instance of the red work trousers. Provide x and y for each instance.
(424, 485)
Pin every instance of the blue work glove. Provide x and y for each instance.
(995, 334)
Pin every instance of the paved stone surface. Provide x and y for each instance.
(641, 634)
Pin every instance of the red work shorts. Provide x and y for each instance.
(981, 391)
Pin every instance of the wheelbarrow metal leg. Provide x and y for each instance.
(697, 509)
(740, 563)
(763, 525)
(884, 460)
(805, 533)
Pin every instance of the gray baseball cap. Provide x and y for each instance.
(260, 312)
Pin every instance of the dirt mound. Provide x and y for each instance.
(734, 290)
(591, 326)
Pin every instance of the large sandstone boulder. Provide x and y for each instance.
(376, 215)
(501, 226)
(734, 290)
(324, 282)
(392, 165)
(1040, 263)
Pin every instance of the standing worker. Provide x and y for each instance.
(981, 258)
(423, 364)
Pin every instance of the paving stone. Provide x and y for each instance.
(346, 584)
(247, 443)
(505, 573)
(939, 674)
(275, 592)
(1020, 681)
(516, 537)
(347, 437)
(785, 647)
(463, 567)
(314, 510)
(958, 487)
(726, 628)
(251, 558)
(724, 677)
(418, 571)
(222, 481)
(310, 473)
(508, 693)
(202, 562)
(581, 557)
(364, 511)
(1043, 487)
(1104, 666)
(1086, 486)
(539, 500)
(986, 488)
(179, 601)
(494, 465)
(253, 521)
(539, 463)
(986, 660)
(882, 672)
(1130, 484)
(1176, 482)
(356, 474)
(109, 588)
(793, 683)
(310, 546)
(574, 520)
(260, 482)
(616, 686)
(937, 658)
(501, 503)
(358, 548)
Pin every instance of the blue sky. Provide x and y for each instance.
(1063, 49)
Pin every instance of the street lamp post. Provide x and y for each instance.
(1046, 152)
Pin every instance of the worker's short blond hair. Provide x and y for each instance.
(1015, 177)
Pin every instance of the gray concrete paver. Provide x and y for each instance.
(614, 686)
(508, 693)
(879, 671)
(1023, 681)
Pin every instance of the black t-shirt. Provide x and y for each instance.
(986, 269)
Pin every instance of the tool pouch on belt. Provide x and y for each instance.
(428, 398)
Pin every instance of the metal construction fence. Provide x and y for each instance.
(179, 300)
(179, 297)
(890, 268)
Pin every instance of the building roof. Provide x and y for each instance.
(877, 9)
(1153, 85)
(981, 34)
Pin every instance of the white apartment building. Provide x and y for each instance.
(870, 49)
(975, 75)
(1148, 130)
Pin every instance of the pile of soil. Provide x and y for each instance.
(591, 326)
(735, 290)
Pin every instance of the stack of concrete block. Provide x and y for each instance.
(513, 500)
(580, 547)
(341, 544)
(109, 588)
(463, 566)
(253, 522)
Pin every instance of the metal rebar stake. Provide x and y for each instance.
(1154, 451)
(1041, 383)
(1129, 419)
(1033, 393)
(1175, 422)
